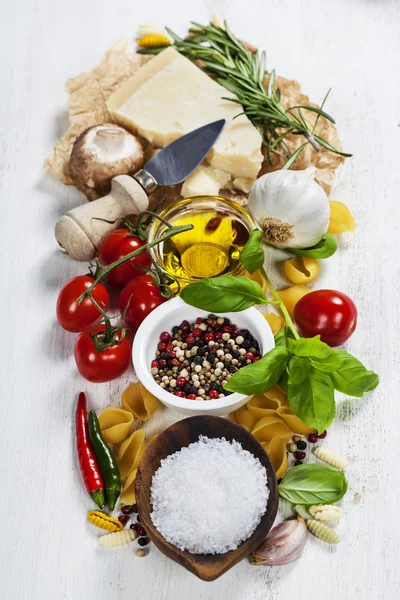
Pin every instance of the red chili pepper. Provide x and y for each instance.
(87, 460)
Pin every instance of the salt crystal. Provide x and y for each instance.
(209, 497)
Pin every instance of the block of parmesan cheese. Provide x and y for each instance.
(205, 181)
(169, 96)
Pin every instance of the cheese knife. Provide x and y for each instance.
(80, 231)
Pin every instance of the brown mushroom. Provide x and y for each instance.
(102, 152)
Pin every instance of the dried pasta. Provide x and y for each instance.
(340, 219)
(258, 278)
(115, 424)
(117, 539)
(323, 532)
(137, 400)
(130, 453)
(291, 295)
(274, 321)
(302, 269)
(268, 417)
(152, 40)
(326, 512)
(128, 495)
(331, 458)
(104, 521)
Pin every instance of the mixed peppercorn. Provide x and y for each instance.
(130, 512)
(196, 360)
(298, 446)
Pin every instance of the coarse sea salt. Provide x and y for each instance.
(209, 497)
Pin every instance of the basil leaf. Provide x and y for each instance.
(311, 394)
(310, 347)
(223, 294)
(283, 382)
(252, 255)
(313, 484)
(280, 338)
(324, 249)
(260, 376)
(321, 356)
(352, 378)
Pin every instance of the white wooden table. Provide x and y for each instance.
(47, 549)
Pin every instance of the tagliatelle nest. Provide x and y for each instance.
(88, 93)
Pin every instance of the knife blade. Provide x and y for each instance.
(180, 158)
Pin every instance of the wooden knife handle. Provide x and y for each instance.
(80, 231)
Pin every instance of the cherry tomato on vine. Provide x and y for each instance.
(76, 317)
(143, 296)
(114, 246)
(103, 366)
(328, 313)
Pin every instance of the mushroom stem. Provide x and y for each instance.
(109, 141)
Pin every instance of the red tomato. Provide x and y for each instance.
(76, 317)
(327, 313)
(99, 367)
(143, 296)
(117, 244)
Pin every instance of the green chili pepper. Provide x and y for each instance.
(108, 467)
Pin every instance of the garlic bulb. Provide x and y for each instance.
(283, 544)
(291, 209)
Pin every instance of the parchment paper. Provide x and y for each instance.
(87, 106)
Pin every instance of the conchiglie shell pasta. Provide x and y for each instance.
(245, 418)
(341, 218)
(257, 277)
(115, 424)
(274, 321)
(136, 399)
(128, 495)
(293, 422)
(130, 453)
(271, 427)
(277, 395)
(291, 295)
(261, 406)
(302, 269)
(276, 449)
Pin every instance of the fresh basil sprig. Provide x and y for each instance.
(252, 255)
(223, 294)
(264, 373)
(313, 484)
(325, 248)
(352, 378)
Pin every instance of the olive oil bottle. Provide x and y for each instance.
(210, 249)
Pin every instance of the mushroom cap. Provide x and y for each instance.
(102, 152)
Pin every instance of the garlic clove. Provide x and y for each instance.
(301, 269)
(284, 544)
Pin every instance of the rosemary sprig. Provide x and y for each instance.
(241, 72)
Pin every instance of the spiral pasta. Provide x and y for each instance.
(331, 458)
(119, 538)
(104, 521)
(323, 532)
(326, 512)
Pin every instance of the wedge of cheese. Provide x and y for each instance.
(205, 181)
(169, 96)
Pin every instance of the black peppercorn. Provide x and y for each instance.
(213, 386)
(143, 541)
(246, 344)
(233, 369)
(193, 390)
(201, 351)
(235, 353)
(187, 388)
(175, 330)
(301, 445)
(298, 462)
(242, 360)
(197, 360)
(227, 321)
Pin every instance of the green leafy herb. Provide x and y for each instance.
(223, 294)
(321, 356)
(252, 255)
(281, 338)
(242, 72)
(313, 484)
(311, 394)
(261, 375)
(352, 377)
(324, 249)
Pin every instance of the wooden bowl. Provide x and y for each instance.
(206, 566)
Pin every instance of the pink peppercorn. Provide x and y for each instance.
(192, 397)
(209, 337)
(313, 438)
(180, 394)
(196, 332)
(213, 394)
(181, 381)
(190, 339)
(162, 346)
(154, 364)
(250, 356)
(256, 358)
(165, 337)
(299, 455)
(199, 320)
(323, 435)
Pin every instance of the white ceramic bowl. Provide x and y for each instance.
(172, 313)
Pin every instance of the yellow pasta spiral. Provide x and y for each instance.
(100, 519)
(323, 532)
(118, 539)
(153, 41)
